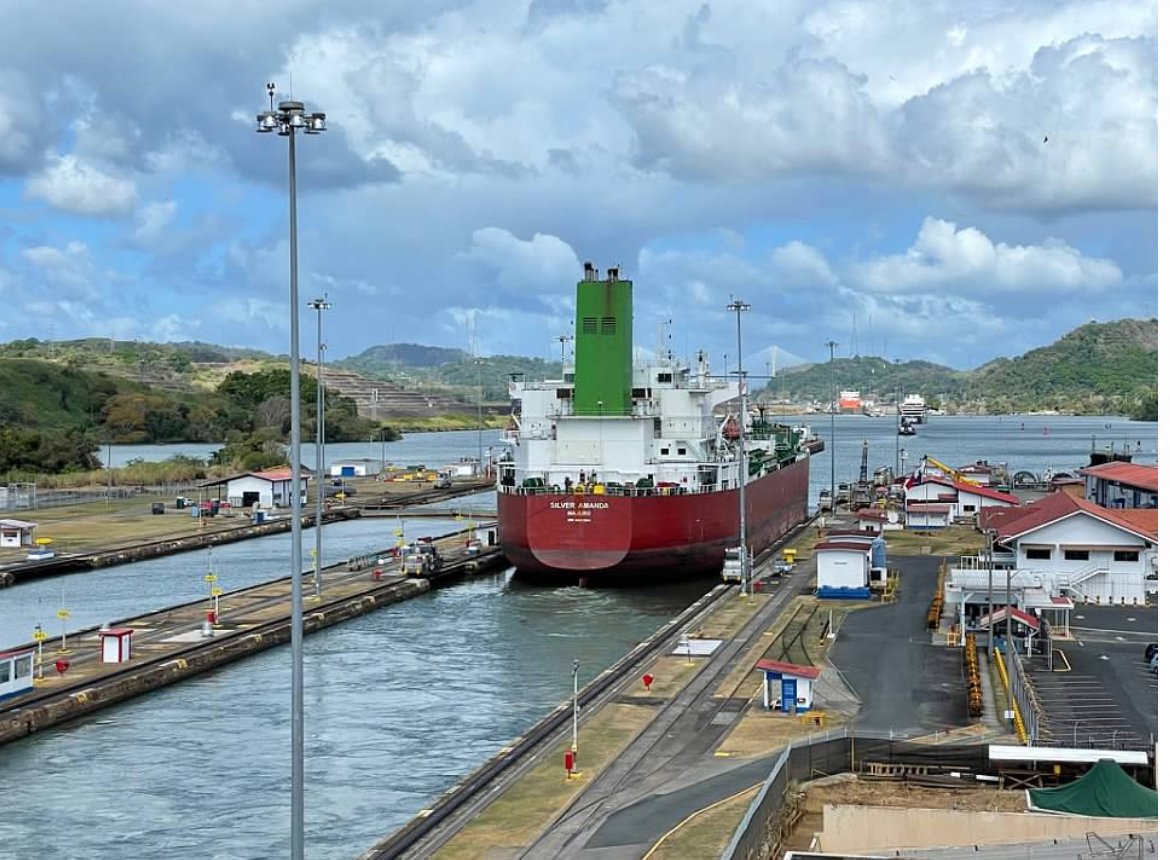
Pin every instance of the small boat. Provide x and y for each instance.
(906, 428)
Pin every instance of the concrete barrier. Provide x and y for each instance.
(864, 829)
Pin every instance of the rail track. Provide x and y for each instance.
(459, 804)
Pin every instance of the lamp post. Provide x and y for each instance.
(286, 119)
(319, 305)
(479, 415)
(737, 307)
(576, 667)
(832, 345)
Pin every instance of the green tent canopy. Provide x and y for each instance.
(1106, 791)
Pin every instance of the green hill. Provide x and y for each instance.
(1096, 368)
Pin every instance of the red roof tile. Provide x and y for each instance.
(842, 544)
(1131, 474)
(974, 489)
(1057, 506)
(789, 668)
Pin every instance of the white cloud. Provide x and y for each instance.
(70, 269)
(542, 263)
(802, 265)
(944, 257)
(153, 220)
(252, 311)
(77, 186)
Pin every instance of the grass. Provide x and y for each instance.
(706, 832)
(521, 812)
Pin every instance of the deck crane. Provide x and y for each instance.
(955, 475)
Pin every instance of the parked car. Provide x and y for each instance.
(1151, 650)
(1154, 663)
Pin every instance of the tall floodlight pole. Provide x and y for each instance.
(563, 338)
(479, 415)
(738, 307)
(319, 305)
(286, 119)
(576, 667)
(832, 345)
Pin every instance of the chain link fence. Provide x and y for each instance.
(30, 497)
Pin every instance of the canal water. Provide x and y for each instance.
(122, 591)
(400, 703)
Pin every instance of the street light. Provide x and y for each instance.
(738, 307)
(479, 415)
(286, 119)
(576, 667)
(319, 305)
(832, 345)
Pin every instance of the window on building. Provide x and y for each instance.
(682, 452)
(1076, 555)
(5, 669)
(22, 666)
(1038, 554)
(1125, 555)
(968, 509)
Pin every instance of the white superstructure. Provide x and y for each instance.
(913, 408)
(675, 438)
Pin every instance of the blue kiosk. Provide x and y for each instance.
(787, 686)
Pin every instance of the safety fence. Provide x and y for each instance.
(17, 497)
(775, 811)
(1024, 704)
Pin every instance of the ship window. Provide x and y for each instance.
(664, 451)
(640, 393)
(608, 325)
(589, 325)
(657, 427)
(664, 377)
(682, 452)
(564, 393)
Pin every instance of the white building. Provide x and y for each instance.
(359, 468)
(268, 489)
(925, 516)
(965, 500)
(16, 533)
(1121, 485)
(843, 568)
(1082, 550)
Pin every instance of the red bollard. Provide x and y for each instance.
(647, 680)
(377, 574)
(211, 616)
(569, 761)
(61, 666)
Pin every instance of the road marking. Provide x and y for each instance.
(696, 813)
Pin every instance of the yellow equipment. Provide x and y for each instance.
(955, 475)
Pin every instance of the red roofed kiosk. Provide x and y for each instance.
(116, 644)
(787, 686)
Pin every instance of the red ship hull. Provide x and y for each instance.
(614, 540)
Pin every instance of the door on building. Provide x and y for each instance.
(251, 498)
(787, 694)
(349, 471)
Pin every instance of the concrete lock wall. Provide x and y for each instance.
(858, 829)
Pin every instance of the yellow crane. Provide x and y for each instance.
(955, 475)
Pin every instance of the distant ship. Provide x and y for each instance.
(849, 401)
(620, 472)
(913, 409)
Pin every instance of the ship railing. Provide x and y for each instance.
(577, 489)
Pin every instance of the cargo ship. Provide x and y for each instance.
(621, 472)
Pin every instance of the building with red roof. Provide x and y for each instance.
(270, 488)
(965, 501)
(1118, 484)
(1088, 552)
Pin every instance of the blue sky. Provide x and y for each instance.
(963, 180)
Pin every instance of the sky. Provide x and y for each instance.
(909, 178)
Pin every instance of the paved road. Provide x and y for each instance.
(668, 771)
(906, 685)
(1126, 620)
(1109, 696)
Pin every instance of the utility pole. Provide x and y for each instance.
(319, 305)
(563, 338)
(738, 307)
(832, 345)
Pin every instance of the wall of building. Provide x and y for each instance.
(842, 569)
(859, 829)
(1110, 494)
